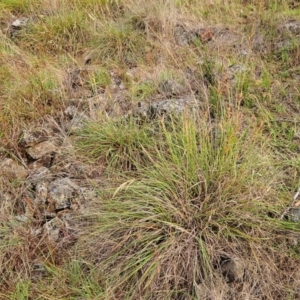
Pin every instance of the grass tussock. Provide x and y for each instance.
(203, 196)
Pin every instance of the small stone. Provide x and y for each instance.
(31, 138)
(39, 174)
(41, 195)
(71, 111)
(61, 192)
(53, 229)
(77, 122)
(170, 88)
(41, 149)
(183, 35)
(294, 214)
(233, 269)
(292, 26)
(19, 23)
(12, 170)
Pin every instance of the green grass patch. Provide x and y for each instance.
(161, 230)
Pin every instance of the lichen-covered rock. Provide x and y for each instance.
(29, 138)
(41, 149)
(12, 170)
(171, 88)
(41, 195)
(53, 228)
(292, 26)
(39, 174)
(166, 107)
(62, 192)
(294, 214)
(76, 119)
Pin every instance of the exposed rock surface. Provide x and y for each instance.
(40, 150)
(29, 138)
(19, 23)
(165, 107)
(12, 169)
(292, 26)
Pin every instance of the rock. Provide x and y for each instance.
(294, 214)
(12, 170)
(165, 107)
(41, 196)
(31, 138)
(62, 192)
(225, 38)
(183, 36)
(259, 44)
(19, 23)
(233, 269)
(77, 119)
(170, 88)
(45, 161)
(53, 229)
(292, 26)
(71, 111)
(41, 149)
(39, 174)
(23, 218)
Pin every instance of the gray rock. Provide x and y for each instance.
(183, 35)
(77, 119)
(260, 44)
(171, 87)
(41, 149)
(166, 107)
(294, 214)
(19, 23)
(53, 228)
(23, 218)
(12, 170)
(62, 192)
(292, 26)
(41, 195)
(71, 111)
(39, 174)
(29, 138)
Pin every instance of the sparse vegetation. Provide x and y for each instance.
(186, 205)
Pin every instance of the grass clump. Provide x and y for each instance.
(203, 196)
(119, 144)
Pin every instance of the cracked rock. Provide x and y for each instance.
(41, 149)
(53, 229)
(39, 174)
(31, 138)
(62, 192)
(166, 107)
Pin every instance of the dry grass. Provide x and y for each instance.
(182, 196)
